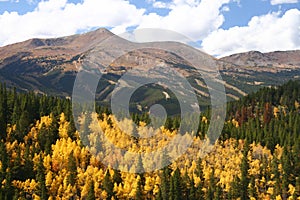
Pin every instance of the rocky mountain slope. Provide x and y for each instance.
(50, 66)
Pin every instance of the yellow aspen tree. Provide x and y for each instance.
(149, 184)
(49, 177)
(63, 126)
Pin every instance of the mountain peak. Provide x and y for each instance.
(100, 30)
(72, 45)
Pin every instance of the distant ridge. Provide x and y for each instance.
(271, 59)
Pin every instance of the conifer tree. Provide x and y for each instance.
(244, 173)
(287, 171)
(108, 185)
(140, 169)
(139, 191)
(211, 187)
(276, 178)
(192, 189)
(165, 183)
(3, 113)
(199, 173)
(40, 177)
(218, 193)
(91, 192)
(252, 189)
(117, 178)
(177, 185)
(72, 168)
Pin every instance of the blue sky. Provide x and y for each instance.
(222, 27)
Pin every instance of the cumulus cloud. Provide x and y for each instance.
(55, 18)
(199, 20)
(276, 2)
(269, 32)
(193, 18)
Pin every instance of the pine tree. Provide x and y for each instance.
(244, 173)
(171, 189)
(41, 179)
(140, 169)
(199, 172)
(165, 183)
(165, 176)
(139, 191)
(72, 168)
(177, 185)
(3, 114)
(139, 166)
(16, 112)
(218, 193)
(28, 165)
(287, 171)
(211, 187)
(16, 169)
(108, 185)
(22, 126)
(72, 129)
(7, 191)
(159, 195)
(252, 189)
(234, 192)
(117, 178)
(276, 178)
(192, 189)
(91, 192)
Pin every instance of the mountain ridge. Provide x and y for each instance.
(278, 59)
(50, 66)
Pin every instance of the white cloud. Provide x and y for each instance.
(16, 1)
(160, 4)
(276, 2)
(193, 18)
(264, 33)
(55, 18)
(199, 20)
(225, 9)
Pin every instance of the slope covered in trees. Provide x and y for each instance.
(256, 157)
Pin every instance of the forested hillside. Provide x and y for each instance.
(256, 157)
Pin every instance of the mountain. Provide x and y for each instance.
(252, 70)
(50, 66)
(275, 60)
(47, 65)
